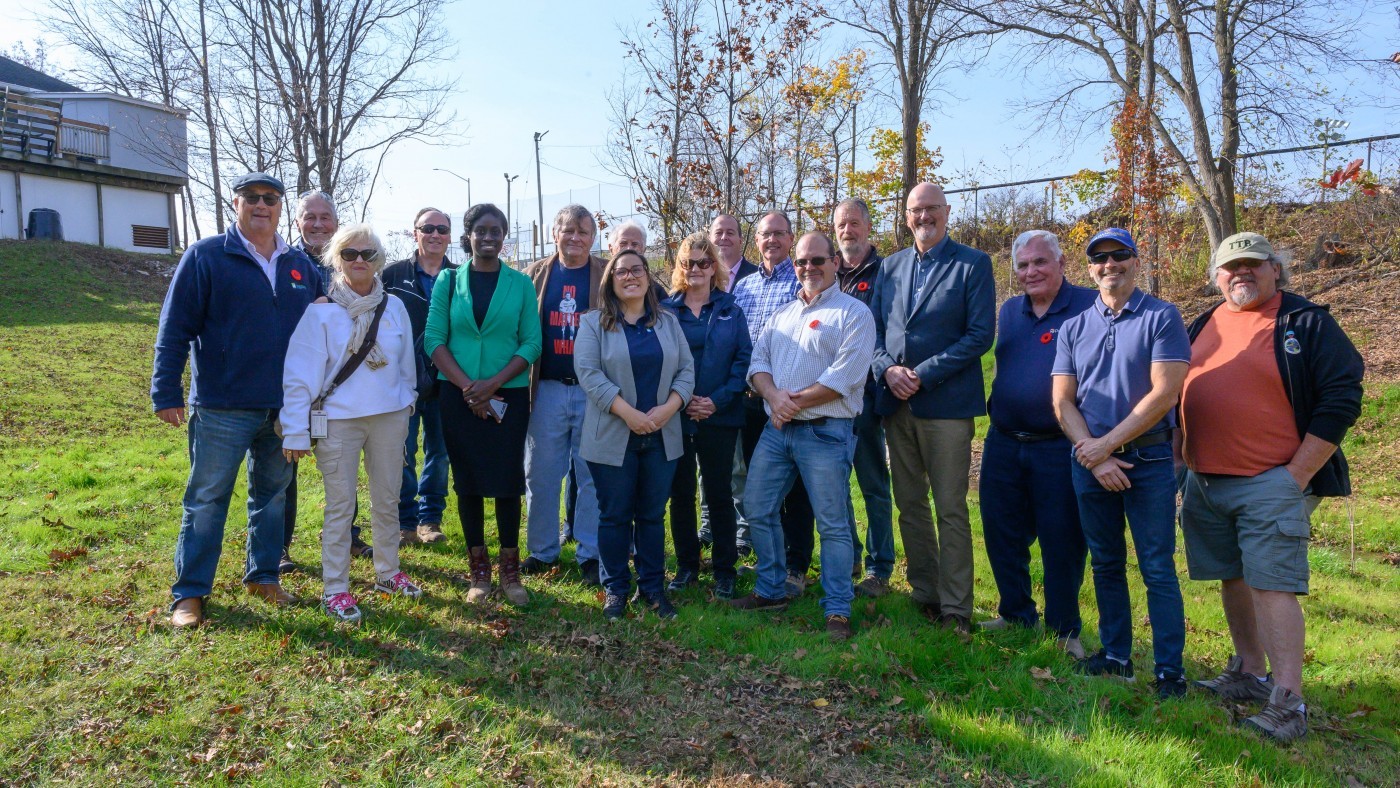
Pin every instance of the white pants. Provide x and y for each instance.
(381, 438)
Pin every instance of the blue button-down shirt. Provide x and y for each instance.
(923, 266)
(1026, 344)
(1111, 357)
(762, 294)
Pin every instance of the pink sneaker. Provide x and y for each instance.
(343, 606)
(399, 584)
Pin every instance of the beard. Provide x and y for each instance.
(1244, 294)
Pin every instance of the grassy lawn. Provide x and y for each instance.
(95, 686)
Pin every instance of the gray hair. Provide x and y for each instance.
(574, 213)
(1282, 261)
(1024, 239)
(631, 224)
(307, 196)
(852, 202)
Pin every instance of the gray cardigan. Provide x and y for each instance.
(604, 368)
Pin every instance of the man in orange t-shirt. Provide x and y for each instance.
(1273, 386)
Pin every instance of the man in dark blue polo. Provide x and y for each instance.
(1118, 373)
(1026, 491)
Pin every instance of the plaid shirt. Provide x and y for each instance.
(829, 341)
(762, 294)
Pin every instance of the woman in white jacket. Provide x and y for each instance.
(366, 413)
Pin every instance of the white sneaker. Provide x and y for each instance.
(399, 584)
(343, 606)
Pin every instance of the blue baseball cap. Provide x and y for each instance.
(258, 179)
(1112, 234)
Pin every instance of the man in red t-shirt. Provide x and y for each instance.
(1273, 386)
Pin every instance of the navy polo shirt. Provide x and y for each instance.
(1111, 357)
(644, 348)
(1025, 352)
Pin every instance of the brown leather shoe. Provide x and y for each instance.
(514, 591)
(838, 628)
(188, 612)
(272, 593)
(431, 533)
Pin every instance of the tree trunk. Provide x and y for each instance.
(209, 123)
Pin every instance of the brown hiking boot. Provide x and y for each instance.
(272, 593)
(838, 628)
(480, 562)
(873, 586)
(756, 602)
(1283, 717)
(1235, 684)
(510, 577)
(430, 533)
(188, 612)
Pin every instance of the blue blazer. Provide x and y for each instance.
(942, 336)
(722, 374)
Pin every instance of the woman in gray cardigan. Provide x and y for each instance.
(636, 369)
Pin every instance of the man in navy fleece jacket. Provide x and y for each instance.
(234, 301)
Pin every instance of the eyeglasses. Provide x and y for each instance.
(1235, 265)
(920, 211)
(267, 199)
(368, 255)
(440, 229)
(767, 234)
(1119, 255)
(703, 264)
(636, 272)
(814, 262)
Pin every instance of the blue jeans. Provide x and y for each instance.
(1150, 508)
(1027, 494)
(556, 433)
(632, 511)
(422, 498)
(821, 456)
(873, 478)
(218, 442)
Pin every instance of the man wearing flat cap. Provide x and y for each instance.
(1273, 387)
(1115, 382)
(233, 302)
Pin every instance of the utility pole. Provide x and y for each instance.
(539, 189)
(508, 178)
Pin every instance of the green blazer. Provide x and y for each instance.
(511, 328)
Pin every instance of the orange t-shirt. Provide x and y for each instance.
(1236, 418)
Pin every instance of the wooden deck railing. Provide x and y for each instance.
(36, 127)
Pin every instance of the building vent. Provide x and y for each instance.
(150, 237)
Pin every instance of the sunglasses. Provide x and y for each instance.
(267, 199)
(703, 264)
(814, 262)
(1119, 255)
(440, 229)
(368, 255)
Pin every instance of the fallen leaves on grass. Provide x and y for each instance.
(60, 556)
(1361, 711)
(1043, 674)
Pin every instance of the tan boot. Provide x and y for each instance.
(480, 562)
(510, 577)
(272, 593)
(188, 612)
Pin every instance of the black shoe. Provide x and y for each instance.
(724, 588)
(955, 623)
(286, 565)
(358, 549)
(589, 570)
(1170, 685)
(659, 605)
(756, 602)
(685, 578)
(1101, 665)
(568, 535)
(534, 566)
(614, 607)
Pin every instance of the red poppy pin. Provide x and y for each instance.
(814, 324)
(296, 274)
(1046, 337)
(863, 286)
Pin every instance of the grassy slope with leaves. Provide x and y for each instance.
(95, 686)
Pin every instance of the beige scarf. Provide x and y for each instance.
(361, 309)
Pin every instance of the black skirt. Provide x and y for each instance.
(488, 458)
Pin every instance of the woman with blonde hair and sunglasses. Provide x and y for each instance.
(349, 384)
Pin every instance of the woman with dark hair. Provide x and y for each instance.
(718, 338)
(637, 373)
(483, 334)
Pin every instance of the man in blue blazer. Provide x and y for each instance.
(935, 315)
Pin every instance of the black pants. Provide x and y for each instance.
(713, 448)
(799, 525)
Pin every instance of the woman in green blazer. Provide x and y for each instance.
(483, 334)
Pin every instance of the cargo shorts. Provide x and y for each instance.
(1251, 527)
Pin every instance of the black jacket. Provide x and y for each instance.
(860, 283)
(401, 279)
(1321, 372)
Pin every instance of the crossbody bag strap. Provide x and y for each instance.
(353, 363)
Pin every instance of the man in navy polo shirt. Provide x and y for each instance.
(1118, 373)
(1026, 491)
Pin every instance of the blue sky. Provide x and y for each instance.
(524, 66)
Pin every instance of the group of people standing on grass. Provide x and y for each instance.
(774, 380)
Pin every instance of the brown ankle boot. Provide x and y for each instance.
(480, 562)
(510, 577)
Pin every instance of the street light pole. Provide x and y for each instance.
(460, 178)
(539, 189)
(508, 178)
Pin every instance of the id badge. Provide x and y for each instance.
(318, 424)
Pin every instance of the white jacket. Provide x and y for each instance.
(319, 347)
